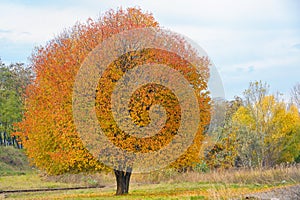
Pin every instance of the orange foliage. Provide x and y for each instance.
(48, 131)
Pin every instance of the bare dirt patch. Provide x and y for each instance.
(284, 193)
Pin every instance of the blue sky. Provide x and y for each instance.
(247, 40)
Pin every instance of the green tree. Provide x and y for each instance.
(13, 81)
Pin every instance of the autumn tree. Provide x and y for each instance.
(53, 136)
(223, 153)
(258, 130)
(267, 129)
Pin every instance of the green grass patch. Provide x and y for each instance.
(29, 181)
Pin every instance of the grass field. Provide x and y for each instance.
(167, 184)
(159, 185)
(164, 190)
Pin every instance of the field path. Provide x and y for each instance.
(284, 193)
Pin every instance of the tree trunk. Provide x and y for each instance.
(4, 139)
(123, 179)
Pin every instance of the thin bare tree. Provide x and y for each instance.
(295, 94)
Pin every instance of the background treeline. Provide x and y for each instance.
(13, 81)
(257, 130)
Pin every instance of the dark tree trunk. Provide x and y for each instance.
(4, 139)
(13, 141)
(123, 179)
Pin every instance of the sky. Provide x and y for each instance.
(247, 40)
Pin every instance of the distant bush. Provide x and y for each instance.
(201, 167)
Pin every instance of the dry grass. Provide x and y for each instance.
(83, 179)
(272, 176)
